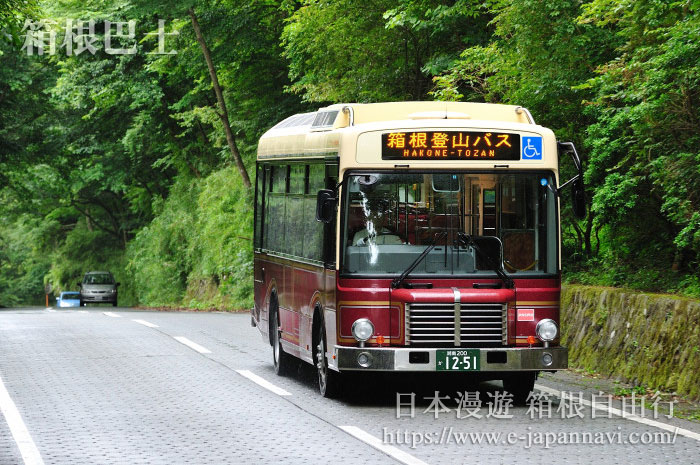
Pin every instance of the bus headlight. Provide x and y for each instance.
(362, 329)
(546, 330)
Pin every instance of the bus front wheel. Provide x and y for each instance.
(520, 385)
(328, 380)
(281, 359)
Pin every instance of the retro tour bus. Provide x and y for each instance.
(411, 237)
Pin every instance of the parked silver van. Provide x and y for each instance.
(98, 287)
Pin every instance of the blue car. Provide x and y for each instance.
(69, 299)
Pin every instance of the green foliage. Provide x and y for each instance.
(160, 254)
(223, 246)
(121, 162)
(645, 136)
(111, 149)
(350, 50)
(23, 264)
(628, 391)
(201, 236)
(12, 16)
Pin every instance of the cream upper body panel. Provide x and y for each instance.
(353, 132)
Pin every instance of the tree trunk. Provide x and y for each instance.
(588, 246)
(223, 113)
(87, 219)
(579, 236)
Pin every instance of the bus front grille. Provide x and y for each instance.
(433, 324)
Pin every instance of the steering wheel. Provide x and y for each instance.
(514, 268)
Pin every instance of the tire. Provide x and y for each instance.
(82, 304)
(329, 381)
(114, 304)
(281, 360)
(520, 385)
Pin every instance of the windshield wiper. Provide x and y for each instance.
(397, 281)
(469, 241)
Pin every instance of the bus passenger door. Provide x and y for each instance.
(259, 282)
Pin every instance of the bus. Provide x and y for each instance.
(411, 237)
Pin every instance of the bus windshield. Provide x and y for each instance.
(391, 218)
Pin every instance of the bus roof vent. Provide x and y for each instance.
(439, 115)
(302, 119)
(324, 119)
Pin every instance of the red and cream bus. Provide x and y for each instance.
(411, 237)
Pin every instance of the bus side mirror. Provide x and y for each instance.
(325, 205)
(578, 190)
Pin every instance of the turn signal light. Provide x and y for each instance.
(380, 339)
(531, 340)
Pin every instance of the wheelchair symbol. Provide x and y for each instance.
(530, 151)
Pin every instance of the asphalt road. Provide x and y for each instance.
(114, 386)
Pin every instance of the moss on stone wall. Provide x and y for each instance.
(645, 339)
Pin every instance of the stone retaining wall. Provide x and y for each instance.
(645, 339)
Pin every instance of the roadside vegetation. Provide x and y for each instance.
(136, 163)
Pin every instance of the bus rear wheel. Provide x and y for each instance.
(281, 359)
(520, 385)
(328, 380)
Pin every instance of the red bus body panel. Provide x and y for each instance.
(302, 287)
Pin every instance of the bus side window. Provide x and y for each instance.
(294, 211)
(275, 209)
(313, 230)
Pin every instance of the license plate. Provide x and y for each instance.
(457, 360)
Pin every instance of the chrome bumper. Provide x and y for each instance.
(401, 359)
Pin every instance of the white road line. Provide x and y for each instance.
(27, 448)
(113, 315)
(50, 310)
(192, 345)
(398, 454)
(627, 415)
(145, 323)
(82, 311)
(263, 382)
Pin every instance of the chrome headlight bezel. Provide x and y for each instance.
(547, 330)
(362, 329)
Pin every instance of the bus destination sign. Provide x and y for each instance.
(450, 145)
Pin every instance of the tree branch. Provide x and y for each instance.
(223, 113)
(75, 205)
